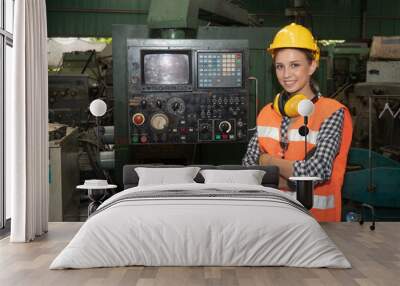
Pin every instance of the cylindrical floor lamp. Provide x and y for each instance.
(98, 108)
(305, 184)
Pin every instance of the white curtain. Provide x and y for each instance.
(26, 124)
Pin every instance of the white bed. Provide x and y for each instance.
(207, 230)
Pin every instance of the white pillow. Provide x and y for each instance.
(248, 177)
(164, 176)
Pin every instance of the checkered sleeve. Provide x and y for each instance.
(253, 152)
(320, 163)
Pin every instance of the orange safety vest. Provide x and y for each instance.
(327, 196)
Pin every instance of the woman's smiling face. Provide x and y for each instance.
(293, 69)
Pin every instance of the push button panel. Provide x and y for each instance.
(201, 117)
(216, 70)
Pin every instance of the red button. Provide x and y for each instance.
(224, 136)
(138, 119)
(143, 139)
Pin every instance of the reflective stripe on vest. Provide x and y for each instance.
(293, 134)
(324, 202)
(268, 132)
(319, 202)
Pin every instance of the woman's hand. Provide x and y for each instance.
(285, 166)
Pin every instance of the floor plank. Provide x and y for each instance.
(374, 255)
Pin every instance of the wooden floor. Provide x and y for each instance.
(375, 256)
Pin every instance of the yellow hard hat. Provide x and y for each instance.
(294, 36)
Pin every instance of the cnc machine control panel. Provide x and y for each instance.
(187, 91)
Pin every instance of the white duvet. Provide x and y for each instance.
(200, 231)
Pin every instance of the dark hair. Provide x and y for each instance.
(315, 87)
(309, 54)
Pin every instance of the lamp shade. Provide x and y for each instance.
(305, 107)
(98, 107)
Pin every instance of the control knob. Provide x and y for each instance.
(143, 103)
(159, 121)
(158, 103)
(205, 128)
(233, 111)
(176, 106)
(225, 126)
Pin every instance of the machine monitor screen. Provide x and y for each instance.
(166, 68)
(219, 69)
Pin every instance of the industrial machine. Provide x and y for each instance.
(68, 99)
(342, 65)
(82, 77)
(63, 173)
(187, 91)
(172, 145)
(385, 127)
(373, 178)
(383, 71)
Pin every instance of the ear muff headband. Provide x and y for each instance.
(282, 102)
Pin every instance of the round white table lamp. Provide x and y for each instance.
(98, 107)
(305, 107)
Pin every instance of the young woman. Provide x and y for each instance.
(278, 141)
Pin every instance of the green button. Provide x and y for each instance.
(135, 139)
(217, 137)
